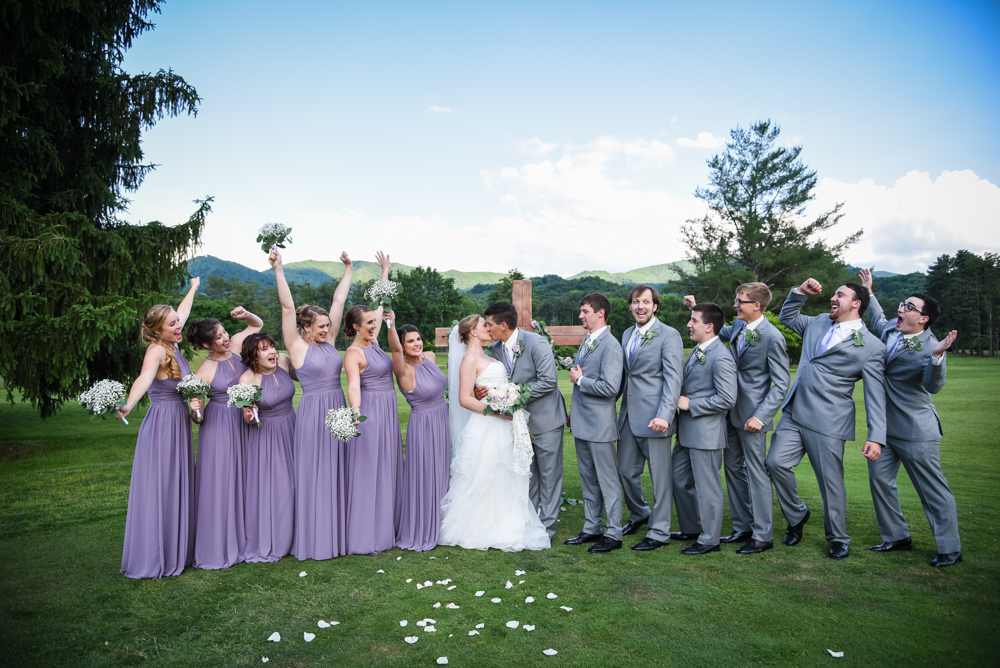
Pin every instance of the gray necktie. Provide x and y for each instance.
(692, 358)
(895, 344)
(510, 358)
(824, 345)
(633, 347)
(743, 340)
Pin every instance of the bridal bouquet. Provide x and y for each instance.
(340, 422)
(193, 387)
(273, 234)
(507, 398)
(245, 395)
(103, 397)
(381, 291)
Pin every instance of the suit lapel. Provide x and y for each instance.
(519, 341)
(737, 353)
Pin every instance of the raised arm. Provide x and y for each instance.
(254, 323)
(184, 308)
(383, 261)
(352, 367)
(936, 370)
(156, 356)
(289, 330)
(791, 312)
(341, 294)
(402, 370)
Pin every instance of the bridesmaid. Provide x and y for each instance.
(269, 476)
(428, 438)
(159, 524)
(218, 475)
(374, 459)
(320, 460)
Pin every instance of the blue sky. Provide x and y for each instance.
(561, 137)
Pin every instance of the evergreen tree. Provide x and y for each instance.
(75, 278)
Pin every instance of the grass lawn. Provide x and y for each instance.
(63, 496)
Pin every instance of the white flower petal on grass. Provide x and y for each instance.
(442, 660)
(430, 629)
(530, 599)
(549, 652)
(452, 587)
(509, 585)
(264, 659)
(419, 586)
(513, 624)
(380, 571)
(495, 600)
(430, 621)
(409, 580)
(528, 627)
(433, 557)
(444, 582)
(453, 606)
(274, 637)
(334, 623)
(398, 558)
(551, 596)
(437, 605)
(519, 572)
(836, 655)
(428, 584)
(521, 582)
(411, 639)
(302, 574)
(480, 593)
(451, 635)
(473, 633)
(322, 624)
(421, 623)
(308, 637)
(403, 623)
(480, 626)
(567, 609)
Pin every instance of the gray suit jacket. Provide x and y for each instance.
(536, 366)
(823, 390)
(592, 409)
(711, 389)
(759, 366)
(911, 379)
(651, 386)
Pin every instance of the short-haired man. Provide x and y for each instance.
(818, 413)
(528, 358)
(915, 370)
(708, 391)
(758, 349)
(651, 386)
(593, 422)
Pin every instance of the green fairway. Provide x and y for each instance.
(63, 496)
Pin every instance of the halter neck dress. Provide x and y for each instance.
(159, 523)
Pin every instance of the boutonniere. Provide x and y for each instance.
(516, 350)
(912, 345)
(699, 355)
(648, 337)
(857, 337)
(591, 347)
(753, 337)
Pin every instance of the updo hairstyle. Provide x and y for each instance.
(201, 333)
(152, 326)
(306, 315)
(354, 318)
(250, 354)
(465, 327)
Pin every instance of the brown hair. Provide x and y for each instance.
(758, 292)
(465, 327)
(639, 289)
(306, 315)
(598, 302)
(201, 333)
(353, 319)
(250, 354)
(711, 314)
(152, 324)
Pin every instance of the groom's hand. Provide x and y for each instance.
(481, 392)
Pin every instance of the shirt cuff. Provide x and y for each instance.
(577, 383)
(938, 361)
(797, 291)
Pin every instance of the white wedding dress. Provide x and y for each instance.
(487, 503)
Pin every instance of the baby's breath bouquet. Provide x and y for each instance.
(340, 422)
(383, 291)
(245, 395)
(103, 397)
(273, 234)
(193, 387)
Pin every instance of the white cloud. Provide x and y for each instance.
(535, 146)
(646, 153)
(439, 110)
(704, 140)
(910, 224)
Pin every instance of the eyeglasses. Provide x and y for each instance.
(910, 308)
(740, 302)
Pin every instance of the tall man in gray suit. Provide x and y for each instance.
(916, 369)
(837, 352)
(651, 386)
(758, 349)
(708, 391)
(528, 358)
(593, 422)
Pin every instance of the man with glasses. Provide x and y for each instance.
(915, 369)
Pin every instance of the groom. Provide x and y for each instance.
(528, 358)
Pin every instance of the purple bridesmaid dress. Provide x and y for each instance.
(375, 462)
(218, 474)
(428, 459)
(269, 473)
(320, 459)
(159, 524)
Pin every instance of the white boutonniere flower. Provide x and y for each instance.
(912, 345)
(752, 337)
(648, 337)
(857, 337)
(591, 347)
(699, 355)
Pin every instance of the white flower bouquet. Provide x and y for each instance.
(340, 422)
(103, 397)
(381, 291)
(507, 398)
(192, 387)
(273, 234)
(245, 395)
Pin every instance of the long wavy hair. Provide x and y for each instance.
(152, 326)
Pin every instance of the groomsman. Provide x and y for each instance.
(915, 370)
(818, 413)
(596, 379)
(651, 386)
(528, 358)
(708, 391)
(758, 349)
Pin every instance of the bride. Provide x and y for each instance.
(487, 503)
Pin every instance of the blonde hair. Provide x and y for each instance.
(152, 326)
(758, 292)
(306, 315)
(465, 327)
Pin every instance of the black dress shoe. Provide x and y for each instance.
(838, 550)
(737, 537)
(902, 545)
(677, 535)
(606, 544)
(753, 546)
(633, 525)
(648, 543)
(949, 559)
(698, 548)
(793, 535)
(582, 538)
